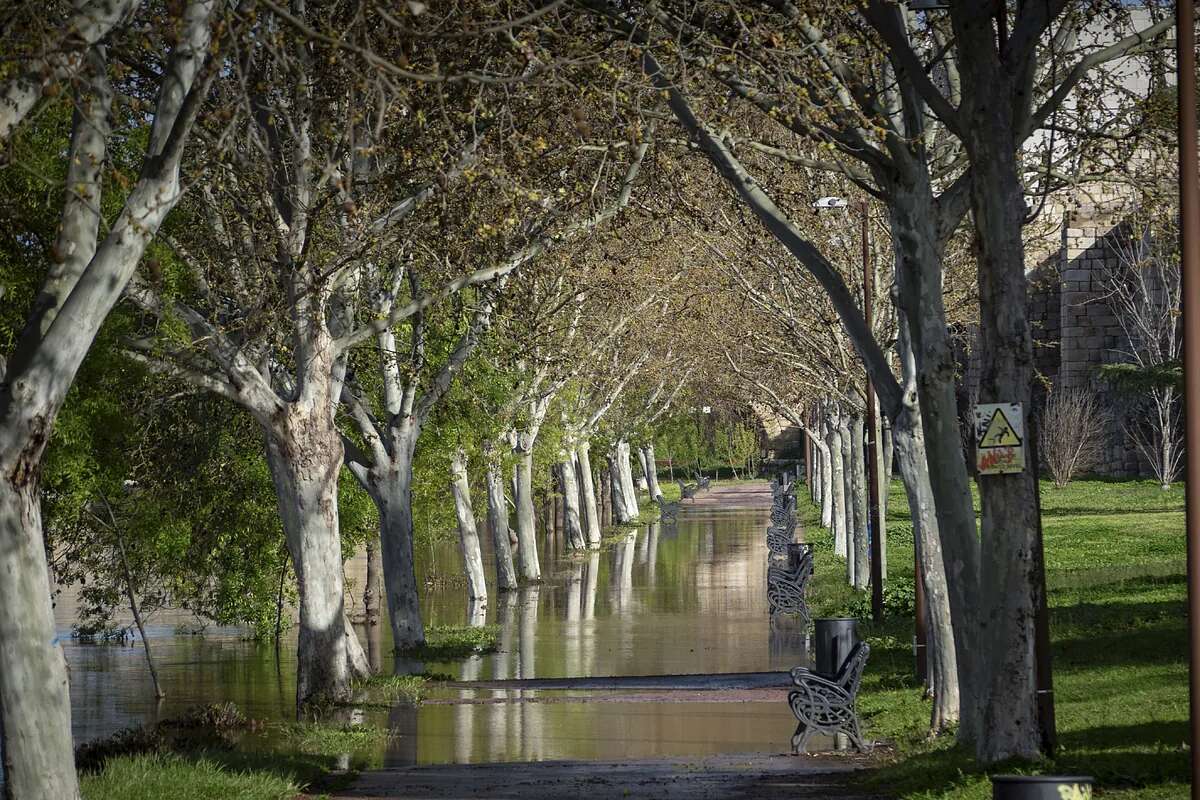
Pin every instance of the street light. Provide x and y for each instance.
(873, 489)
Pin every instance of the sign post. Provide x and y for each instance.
(999, 438)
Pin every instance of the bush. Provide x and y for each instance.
(899, 600)
(1071, 434)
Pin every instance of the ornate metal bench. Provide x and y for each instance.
(779, 537)
(702, 483)
(667, 512)
(786, 586)
(784, 514)
(686, 490)
(826, 704)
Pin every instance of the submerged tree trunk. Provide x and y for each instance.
(468, 534)
(506, 574)
(305, 457)
(606, 504)
(616, 484)
(374, 583)
(643, 483)
(860, 556)
(591, 513)
(652, 473)
(36, 706)
(527, 555)
(572, 520)
(134, 609)
(625, 474)
(390, 485)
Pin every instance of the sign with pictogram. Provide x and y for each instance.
(999, 438)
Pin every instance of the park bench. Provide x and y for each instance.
(686, 490)
(702, 483)
(783, 514)
(779, 537)
(786, 587)
(826, 703)
(667, 512)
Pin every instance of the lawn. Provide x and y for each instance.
(1115, 566)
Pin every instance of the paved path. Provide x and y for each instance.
(733, 496)
(724, 776)
(756, 775)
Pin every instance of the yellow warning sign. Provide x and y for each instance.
(999, 438)
(999, 432)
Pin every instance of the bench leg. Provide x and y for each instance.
(800, 739)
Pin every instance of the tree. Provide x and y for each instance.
(82, 284)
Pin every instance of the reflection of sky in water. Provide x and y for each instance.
(689, 599)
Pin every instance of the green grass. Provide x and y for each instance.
(392, 689)
(153, 777)
(1115, 564)
(455, 642)
(319, 738)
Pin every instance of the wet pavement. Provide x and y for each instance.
(657, 650)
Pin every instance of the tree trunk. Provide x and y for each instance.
(305, 457)
(468, 534)
(527, 554)
(616, 485)
(847, 509)
(570, 487)
(590, 510)
(390, 485)
(652, 475)
(914, 473)
(919, 282)
(506, 574)
(374, 584)
(1011, 583)
(35, 707)
(628, 489)
(643, 483)
(131, 595)
(837, 495)
(861, 554)
(606, 504)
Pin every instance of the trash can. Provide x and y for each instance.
(833, 640)
(796, 551)
(1041, 787)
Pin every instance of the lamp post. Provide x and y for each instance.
(873, 446)
(1189, 262)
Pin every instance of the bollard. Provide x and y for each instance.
(1041, 787)
(834, 639)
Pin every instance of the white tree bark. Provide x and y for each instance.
(616, 485)
(571, 516)
(506, 574)
(304, 453)
(468, 534)
(643, 481)
(837, 508)
(35, 715)
(629, 490)
(861, 574)
(652, 470)
(591, 509)
(527, 554)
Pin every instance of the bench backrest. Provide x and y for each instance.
(850, 675)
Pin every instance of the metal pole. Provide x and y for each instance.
(1189, 255)
(873, 431)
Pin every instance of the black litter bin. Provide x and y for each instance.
(833, 639)
(1041, 787)
(796, 551)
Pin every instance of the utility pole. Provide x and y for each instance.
(1189, 262)
(873, 430)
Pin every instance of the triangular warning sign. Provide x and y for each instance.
(999, 432)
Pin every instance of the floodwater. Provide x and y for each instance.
(685, 599)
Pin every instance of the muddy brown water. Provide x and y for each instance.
(684, 599)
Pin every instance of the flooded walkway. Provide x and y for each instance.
(725, 776)
(587, 719)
